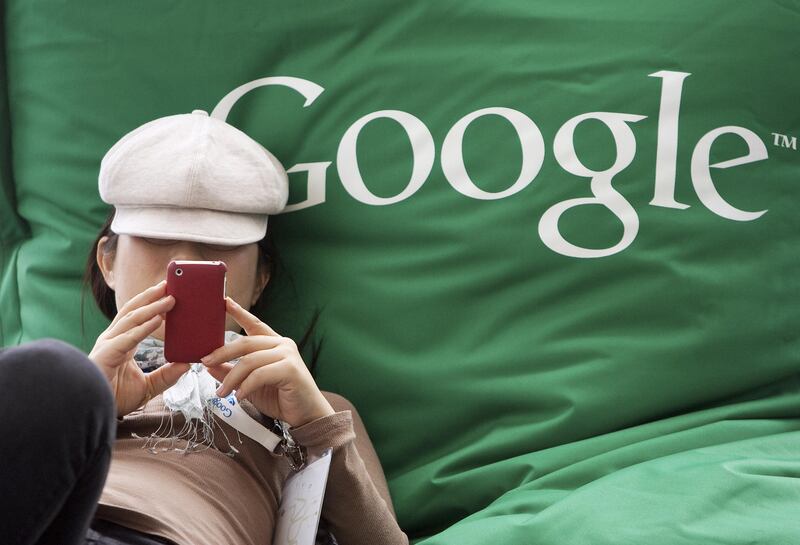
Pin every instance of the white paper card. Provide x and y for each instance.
(301, 503)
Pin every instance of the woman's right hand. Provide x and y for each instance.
(113, 352)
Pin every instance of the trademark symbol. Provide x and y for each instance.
(784, 141)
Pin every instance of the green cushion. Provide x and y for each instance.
(539, 357)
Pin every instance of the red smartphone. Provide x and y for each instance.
(195, 326)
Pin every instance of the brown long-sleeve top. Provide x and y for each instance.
(207, 497)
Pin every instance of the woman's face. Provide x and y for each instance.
(139, 263)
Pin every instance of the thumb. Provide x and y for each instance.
(219, 371)
(165, 376)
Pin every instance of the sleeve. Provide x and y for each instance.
(353, 508)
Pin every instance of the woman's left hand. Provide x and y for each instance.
(270, 372)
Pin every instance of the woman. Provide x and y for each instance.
(190, 187)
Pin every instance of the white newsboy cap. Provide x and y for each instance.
(192, 177)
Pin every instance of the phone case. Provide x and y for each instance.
(196, 324)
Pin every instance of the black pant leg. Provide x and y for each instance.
(57, 432)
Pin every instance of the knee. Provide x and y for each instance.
(56, 373)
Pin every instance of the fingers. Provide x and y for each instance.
(130, 339)
(220, 371)
(111, 350)
(240, 347)
(140, 315)
(138, 318)
(246, 366)
(251, 324)
(274, 375)
(153, 293)
(164, 377)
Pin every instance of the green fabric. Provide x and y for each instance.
(11, 230)
(514, 393)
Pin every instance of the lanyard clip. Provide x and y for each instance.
(295, 454)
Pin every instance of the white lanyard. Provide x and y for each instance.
(230, 410)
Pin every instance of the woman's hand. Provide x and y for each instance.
(270, 372)
(113, 352)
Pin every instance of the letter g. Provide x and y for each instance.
(604, 194)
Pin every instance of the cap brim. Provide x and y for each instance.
(192, 224)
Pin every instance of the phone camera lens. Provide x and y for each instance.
(178, 272)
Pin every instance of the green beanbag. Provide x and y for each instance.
(555, 244)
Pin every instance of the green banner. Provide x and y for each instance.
(556, 243)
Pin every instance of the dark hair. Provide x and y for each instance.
(267, 255)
